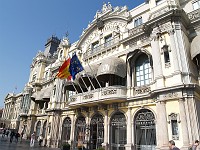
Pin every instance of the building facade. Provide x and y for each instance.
(140, 84)
(10, 116)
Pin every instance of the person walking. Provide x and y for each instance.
(32, 140)
(172, 145)
(12, 134)
(194, 146)
(40, 139)
(17, 135)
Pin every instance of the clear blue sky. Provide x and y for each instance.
(25, 26)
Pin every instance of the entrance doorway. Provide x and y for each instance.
(96, 131)
(145, 130)
(118, 131)
(79, 141)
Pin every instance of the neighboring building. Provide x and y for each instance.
(10, 116)
(1, 121)
(144, 70)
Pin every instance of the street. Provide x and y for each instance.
(24, 145)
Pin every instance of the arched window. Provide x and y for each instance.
(61, 54)
(118, 131)
(38, 127)
(142, 70)
(66, 129)
(145, 130)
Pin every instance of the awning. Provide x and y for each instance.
(195, 48)
(113, 66)
(73, 86)
(88, 72)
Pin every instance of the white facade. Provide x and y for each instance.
(144, 68)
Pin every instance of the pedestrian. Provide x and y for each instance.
(172, 145)
(22, 133)
(32, 140)
(17, 135)
(7, 132)
(40, 139)
(4, 133)
(12, 134)
(194, 146)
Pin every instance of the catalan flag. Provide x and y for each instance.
(64, 70)
(75, 66)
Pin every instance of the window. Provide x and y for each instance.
(138, 22)
(196, 4)
(158, 2)
(34, 77)
(108, 40)
(61, 54)
(46, 75)
(174, 125)
(142, 70)
(54, 90)
(95, 46)
(165, 51)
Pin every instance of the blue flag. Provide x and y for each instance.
(75, 66)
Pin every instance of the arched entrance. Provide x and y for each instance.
(80, 126)
(145, 137)
(96, 131)
(44, 129)
(38, 127)
(66, 129)
(118, 131)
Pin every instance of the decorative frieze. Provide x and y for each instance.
(73, 99)
(88, 96)
(142, 90)
(194, 15)
(170, 95)
(108, 92)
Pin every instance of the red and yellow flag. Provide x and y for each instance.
(63, 72)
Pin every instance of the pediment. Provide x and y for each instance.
(106, 21)
(9, 95)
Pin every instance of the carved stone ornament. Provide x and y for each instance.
(108, 92)
(170, 95)
(142, 90)
(100, 23)
(88, 96)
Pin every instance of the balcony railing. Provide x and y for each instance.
(99, 95)
(102, 48)
(194, 15)
(136, 30)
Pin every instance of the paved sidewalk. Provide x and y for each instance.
(24, 145)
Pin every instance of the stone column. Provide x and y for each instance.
(157, 63)
(72, 130)
(87, 130)
(129, 130)
(184, 126)
(162, 126)
(105, 144)
(174, 52)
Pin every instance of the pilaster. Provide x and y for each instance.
(162, 126)
(184, 126)
(105, 144)
(129, 145)
(157, 63)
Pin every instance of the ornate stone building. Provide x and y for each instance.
(140, 87)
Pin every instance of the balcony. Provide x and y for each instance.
(102, 48)
(104, 95)
(194, 15)
(137, 30)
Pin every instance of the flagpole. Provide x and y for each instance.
(89, 78)
(80, 87)
(93, 74)
(84, 83)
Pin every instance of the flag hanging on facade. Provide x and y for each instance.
(63, 72)
(75, 66)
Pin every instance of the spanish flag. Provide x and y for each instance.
(63, 72)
